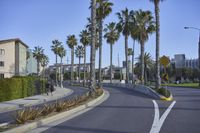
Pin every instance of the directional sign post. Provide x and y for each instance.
(164, 60)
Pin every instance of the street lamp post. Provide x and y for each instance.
(198, 48)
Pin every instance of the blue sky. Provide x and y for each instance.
(38, 22)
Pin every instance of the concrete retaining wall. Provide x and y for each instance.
(139, 88)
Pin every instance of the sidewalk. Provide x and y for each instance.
(34, 100)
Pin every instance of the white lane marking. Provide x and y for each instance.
(157, 123)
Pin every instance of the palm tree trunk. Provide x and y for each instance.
(145, 74)
(92, 56)
(142, 63)
(79, 70)
(111, 51)
(100, 51)
(158, 81)
(126, 56)
(61, 74)
(56, 70)
(133, 80)
(38, 68)
(84, 66)
(72, 65)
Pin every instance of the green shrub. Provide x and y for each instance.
(164, 92)
(20, 87)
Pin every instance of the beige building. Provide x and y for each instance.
(13, 53)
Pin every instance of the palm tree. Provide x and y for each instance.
(93, 40)
(111, 35)
(144, 26)
(85, 40)
(130, 52)
(157, 10)
(55, 48)
(125, 23)
(72, 41)
(79, 52)
(148, 65)
(44, 62)
(134, 38)
(61, 54)
(38, 54)
(104, 8)
(89, 28)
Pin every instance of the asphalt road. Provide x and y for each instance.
(185, 115)
(126, 111)
(7, 117)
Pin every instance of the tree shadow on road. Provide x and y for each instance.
(71, 129)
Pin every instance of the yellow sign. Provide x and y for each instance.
(165, 77)
(164, 61)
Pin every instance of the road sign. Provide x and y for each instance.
(164, 61)
(165, 77)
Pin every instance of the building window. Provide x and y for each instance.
(1, 63)
(1, 76)
(2, 52)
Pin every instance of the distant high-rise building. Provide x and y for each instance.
(191, 63)
(179, 60)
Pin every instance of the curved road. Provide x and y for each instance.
(123, 112)
(127, 111)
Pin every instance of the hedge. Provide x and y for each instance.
(20, 87)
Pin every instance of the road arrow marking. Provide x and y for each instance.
(157, 123)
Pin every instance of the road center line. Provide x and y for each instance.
(157, 123)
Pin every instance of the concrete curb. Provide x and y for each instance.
(142, 89)
(139, 88)
(33, 125)
(170, 98)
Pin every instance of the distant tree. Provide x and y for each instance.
(130, 52)
(125, 26)
(44, 62)
(72, 42)
(148, 66)
(79, 52)
(111, 35)
(55, 48)
(38, 53)
(61, 54)
(85, 40)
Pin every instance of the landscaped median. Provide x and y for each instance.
(164, 94)
(31, 118)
